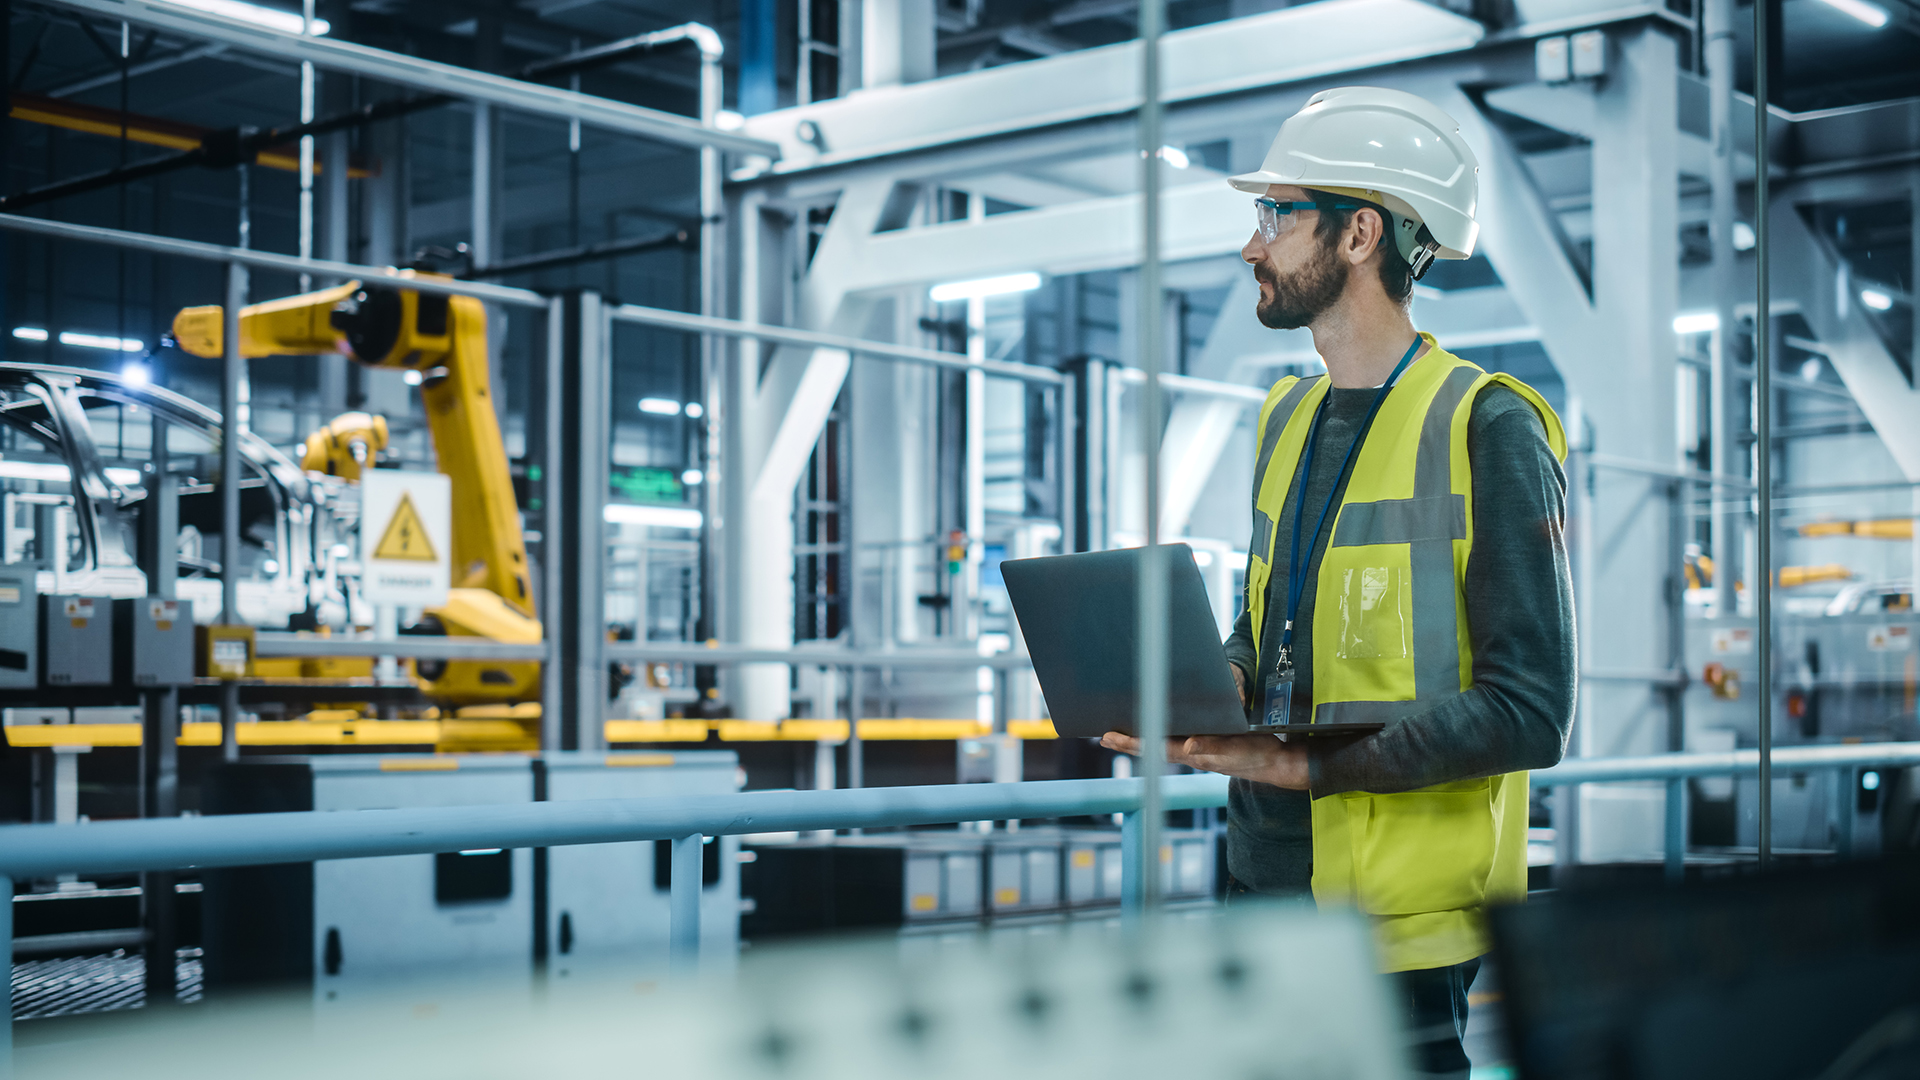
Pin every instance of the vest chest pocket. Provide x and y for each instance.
(1426, 850)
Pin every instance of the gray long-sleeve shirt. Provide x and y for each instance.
(1519, 600)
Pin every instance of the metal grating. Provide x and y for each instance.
(67, 986)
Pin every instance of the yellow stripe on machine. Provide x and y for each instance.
(422, 763)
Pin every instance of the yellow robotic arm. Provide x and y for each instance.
(346, 446)
(445, 339)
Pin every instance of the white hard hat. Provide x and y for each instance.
(1387, 147)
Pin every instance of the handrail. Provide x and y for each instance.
(30, 851)
(246, 839)
(1729, 763)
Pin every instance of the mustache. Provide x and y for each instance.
(1264, 274)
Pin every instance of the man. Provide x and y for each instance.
(1403, 490)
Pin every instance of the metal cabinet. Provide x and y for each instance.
(608, 904)
(350, 925)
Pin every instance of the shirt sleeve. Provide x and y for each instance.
(1519, 601)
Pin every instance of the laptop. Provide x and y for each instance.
(1077, 614)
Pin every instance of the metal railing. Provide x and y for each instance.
(36, 851)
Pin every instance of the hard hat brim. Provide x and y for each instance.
(1257, 183)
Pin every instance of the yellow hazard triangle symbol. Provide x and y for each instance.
(406, 536)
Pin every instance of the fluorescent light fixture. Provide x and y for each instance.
(100, 341)
(693, 478)
(287, 22)
(1743, 238)
(1175, 157)
(667, 517)
(1872, 14)
(728, 120)
(659, 406)
(1696, 322)
(482, 851)
(694, 410)
(29, 333)
(49, 471)
(1876, 299)
(1810, 369)
(136, 374)
(985, 287)
(55, 473)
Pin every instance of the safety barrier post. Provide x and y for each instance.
(684, 904)
(1676, 829)
(1133, 865)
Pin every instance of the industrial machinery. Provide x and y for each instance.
(1850, 674)
(68, 510)
(444, 339)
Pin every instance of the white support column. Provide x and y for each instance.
(896, 41)
(1729, 516)
(775, 419)
(1609, 348)
(1636, 261)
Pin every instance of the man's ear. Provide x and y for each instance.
(1366, 233)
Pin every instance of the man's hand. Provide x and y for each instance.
(1263, 759)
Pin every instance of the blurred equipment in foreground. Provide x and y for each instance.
(1271, 992)
(1784, 977)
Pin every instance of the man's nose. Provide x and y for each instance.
(1252, 250)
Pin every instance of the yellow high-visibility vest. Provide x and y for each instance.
(1390, 640)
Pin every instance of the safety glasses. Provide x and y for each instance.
(1278, 218)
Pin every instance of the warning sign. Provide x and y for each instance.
(406, 530)
(405, 537)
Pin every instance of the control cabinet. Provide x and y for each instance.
(153, 642)
(76, 638)
(19, 628)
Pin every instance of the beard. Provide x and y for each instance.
(1304, 295)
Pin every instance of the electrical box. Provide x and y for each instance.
(1588, 54)
(608, 905)
(19, 629)
(153, 642)
(224, 652)
(76, 640)
(1551, 64)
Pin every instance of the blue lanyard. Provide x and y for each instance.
(1296, 573)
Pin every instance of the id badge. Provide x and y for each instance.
(1279, 696)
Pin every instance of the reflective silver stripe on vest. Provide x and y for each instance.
(1277, 421)
(1400, 521)
(1436, 637)
(1364, 712)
